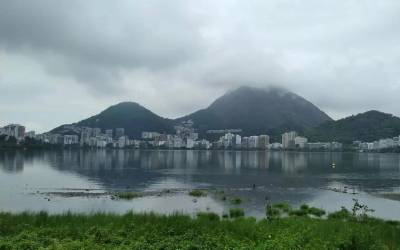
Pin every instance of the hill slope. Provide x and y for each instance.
(130, 116)
(258, 111)
(368, 126)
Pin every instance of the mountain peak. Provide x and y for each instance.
(126, 105)
(258, 110)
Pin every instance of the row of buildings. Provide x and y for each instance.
(87, 137)
(291, 140)
(184, 137)
(16, 131)
(379, 145)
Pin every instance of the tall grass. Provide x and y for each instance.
(206, 231)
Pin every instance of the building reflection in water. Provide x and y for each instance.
(12, 161)
(227, 161)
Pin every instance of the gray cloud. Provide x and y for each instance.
(177, 56)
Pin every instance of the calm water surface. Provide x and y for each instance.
(34, 180)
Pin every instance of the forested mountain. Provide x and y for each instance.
(368, 126)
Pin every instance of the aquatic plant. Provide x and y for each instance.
(236, 201)
(198, 193)
(127, 195)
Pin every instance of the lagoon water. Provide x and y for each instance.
(84, 180)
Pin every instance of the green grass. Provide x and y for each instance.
(206, 231)
(198, 193)
(127, 195)
(284, 228)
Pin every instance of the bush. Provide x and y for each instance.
(316, 211)
(236, 212)
(273, 212)
(342, 214)
(284, 206)
(306, 210)
(197, 193)
(298, 212)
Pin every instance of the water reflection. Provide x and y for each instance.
(294, 176)
(280, 162)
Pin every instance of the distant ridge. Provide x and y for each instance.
(369, 126)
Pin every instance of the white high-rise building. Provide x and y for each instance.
(122, 141)
(238, 141)
(71, 139)
(288, 139)
(109, 133)
(86, 134)
(253, 141)
(263, 141)
(189, 143)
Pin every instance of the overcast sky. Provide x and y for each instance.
(62, 61)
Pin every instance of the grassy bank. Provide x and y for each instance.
(207, 231)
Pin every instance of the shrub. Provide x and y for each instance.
(298, 212)
(272, 212)
(208, 216)
(342, 214)
(284, 206)
(304, 207)
(236, 212)
(316, 211)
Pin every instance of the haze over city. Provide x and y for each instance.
(64, 61)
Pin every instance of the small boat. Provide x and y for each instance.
(333, 165)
